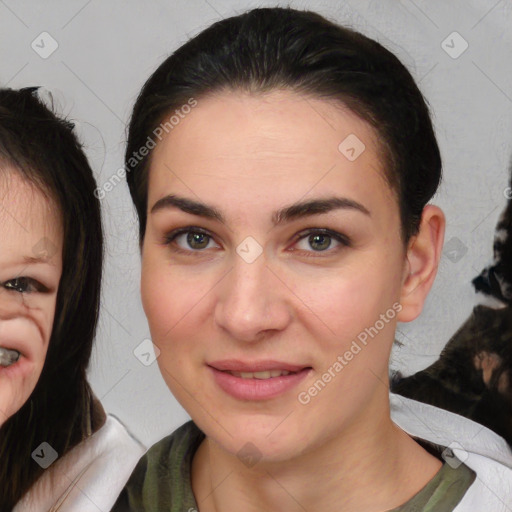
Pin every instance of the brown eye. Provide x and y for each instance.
(319, 242)
(22, 285)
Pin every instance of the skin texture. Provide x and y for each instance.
(31, 247)
(247, 157)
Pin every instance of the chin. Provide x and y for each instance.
(258, 438)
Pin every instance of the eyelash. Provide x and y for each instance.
(343, 240)
(33, 285)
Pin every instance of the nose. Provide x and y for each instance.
(252, 303)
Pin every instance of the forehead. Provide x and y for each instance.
(27, 216)
(280, 141)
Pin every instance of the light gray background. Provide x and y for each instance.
(107, 49)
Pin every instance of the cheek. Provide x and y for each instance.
(46, 322)
(177, 304)
(171, 309)
(349, 299)
(42, 320)
(167, 296)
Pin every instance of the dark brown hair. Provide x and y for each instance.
(43, 149)
(282, 48)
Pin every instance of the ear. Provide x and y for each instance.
(422, 260)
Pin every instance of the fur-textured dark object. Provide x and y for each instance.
(496, 280)
(473, 375)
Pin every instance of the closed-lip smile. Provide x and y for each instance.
(235, 365)
(257, 380)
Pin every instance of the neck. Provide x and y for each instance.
(370, 466)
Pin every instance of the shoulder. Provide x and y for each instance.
(491, 490)
(163, 474)
(88, 476)
(479, 448)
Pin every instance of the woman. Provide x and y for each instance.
(284, 231)
(54, 433)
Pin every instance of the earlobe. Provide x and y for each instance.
(422, 260)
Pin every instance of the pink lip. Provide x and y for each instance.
(21, 368)
(23, 346)
(256, 389)
(24, 365)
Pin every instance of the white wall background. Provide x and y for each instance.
(107, 49)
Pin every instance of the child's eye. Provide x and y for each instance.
(321, 240)
(191, 239)
(23, 285)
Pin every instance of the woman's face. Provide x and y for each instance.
(272, 246)
(30, 270)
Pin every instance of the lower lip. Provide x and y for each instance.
(20, 368)
(257, 389)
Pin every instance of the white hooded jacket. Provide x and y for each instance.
(485, 452)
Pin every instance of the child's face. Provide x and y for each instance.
(324, 275)
(30, 270)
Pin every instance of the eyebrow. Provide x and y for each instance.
(288, 213)
(33, 260)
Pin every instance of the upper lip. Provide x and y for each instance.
(235, 365)
(21, 346)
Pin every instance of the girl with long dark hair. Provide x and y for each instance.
(54, 432)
